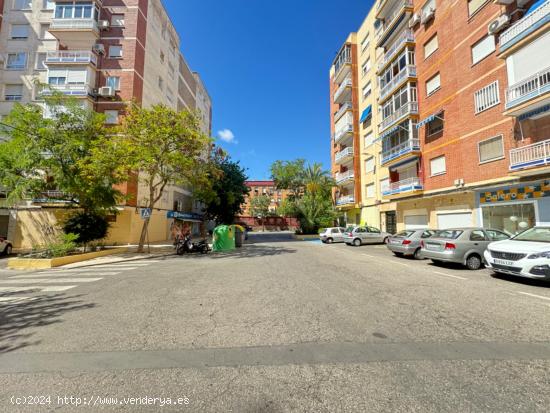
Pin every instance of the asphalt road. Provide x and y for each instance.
(278, 326)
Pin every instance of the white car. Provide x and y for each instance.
(5, 246)
(330, 235)
(525, 255)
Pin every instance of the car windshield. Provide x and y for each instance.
(405, 234)
(427, 233)
(534, 234)
(350, 228)
(449, 233)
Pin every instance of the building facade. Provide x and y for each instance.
(263, 188)
(106, 53)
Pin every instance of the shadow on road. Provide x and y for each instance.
(269, 237)
(521, 280)
(18, 317)
(253, 251)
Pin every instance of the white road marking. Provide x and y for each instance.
(535, 295)
(64, 274)
(449, 275)
(49, 280)
(37, 287)
(397, 262)
(370, 256)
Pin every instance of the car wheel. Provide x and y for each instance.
(473, 262)
(8, 250)
(357, 242)
(386, 240)
(329, 241)
(417, 254)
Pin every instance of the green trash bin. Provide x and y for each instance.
(223, 238)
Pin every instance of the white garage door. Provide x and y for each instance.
(454, 220)
(416, 222)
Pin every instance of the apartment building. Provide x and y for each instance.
(263, 188)
(106, 53)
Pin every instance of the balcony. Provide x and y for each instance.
(345, 200)
(411, 146)
(395, 17)
(344, 155)
(523, 27)
(344, 129)
(345, 108)
(64, 57)
(78, 34)
(344, 177)
(343, 93)
(402, 187)
(404, 38)
(530, 156)
(408, 71)
(408, 109)
(530, 88)
(342, 64)
(77, 90)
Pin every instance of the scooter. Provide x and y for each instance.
(186, 246)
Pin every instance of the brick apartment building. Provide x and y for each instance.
(264, 188)
(106, 53)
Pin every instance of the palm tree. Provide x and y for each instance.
(317, 180)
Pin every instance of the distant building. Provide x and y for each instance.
(264, 188)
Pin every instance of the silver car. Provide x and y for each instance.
(365, 235)
(465, 246)
(5, 246)
(408, 242)
(330, 235)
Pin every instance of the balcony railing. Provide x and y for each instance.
(407, 71)
(345, 200)
(406, 185)
(530, 156)
(345, 84)
(79, 89)
(529, 88)
(524, 26)
(78, 24)
(343, 154)
(63, 56)
(408, 146)
(406, 36)
(345, 107)
(395, 14)
(344, 177)
(342, 132)
(410, 108)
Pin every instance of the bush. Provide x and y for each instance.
(87, 226)
(63, 246)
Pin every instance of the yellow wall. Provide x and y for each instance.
(128, 226)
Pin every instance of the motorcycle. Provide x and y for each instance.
(187, 246)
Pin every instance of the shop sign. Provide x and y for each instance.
(516, 194)
(184, 216)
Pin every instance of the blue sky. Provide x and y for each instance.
(265, 64)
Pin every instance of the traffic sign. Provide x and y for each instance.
(145, 213)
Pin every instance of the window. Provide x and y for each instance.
(477, 235)
(433, 85)
(438, 166)
(115, 52)
(48, 4)
(369, 165)
(113, 81)
(491, 149)
(436, 125)
(111, 117)
(366, 67)
(487, 97)
(13, 92)
(475, 5)
(16, 61)
(495, 235)
(370, 191)
(430, 46)
(117, 20)
(365, 42)
(22, 4)
(483, 48)
(511, 218)
(367, 90)
(74, 11)
(40, 59)
(19, 31)
(429, 4)
(384, 185)
(369, 139)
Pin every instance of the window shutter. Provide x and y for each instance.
(483, 48)
(431, 46)
(438, 166)
(433, 84)
(491, 149)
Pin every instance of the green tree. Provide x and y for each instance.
(164, 147)
(289, 175)
(259, 207)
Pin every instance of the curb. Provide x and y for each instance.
(160, 255)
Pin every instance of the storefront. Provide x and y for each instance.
(185, 220)
(516, 207)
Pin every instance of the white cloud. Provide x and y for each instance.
(227, 135)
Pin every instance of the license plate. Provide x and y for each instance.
(395, 241)
(504, 262)
(432, 246)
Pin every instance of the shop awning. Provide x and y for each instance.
(535, 6)
(429, 119)
(366, 113)
(534, 112)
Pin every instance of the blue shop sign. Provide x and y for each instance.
(184, 216)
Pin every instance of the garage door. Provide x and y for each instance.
(416, 222)
(454, 220)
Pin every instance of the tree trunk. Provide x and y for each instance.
(143, 235)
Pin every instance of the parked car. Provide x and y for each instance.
(465, 246)
(408, 242)
(357, 236)
(525, 255)
(334, 234)
(6, 246)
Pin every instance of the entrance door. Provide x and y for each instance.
(4, 220)
(416, 222)
(454, 220)
(391, 222)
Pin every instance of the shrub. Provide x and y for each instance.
(87, 226)
(63, 246)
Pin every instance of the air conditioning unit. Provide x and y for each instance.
(106, 91)
(499, 24)
(103, 24)
(428, 15)
(99, 48)
(459, 182)
(415, 19)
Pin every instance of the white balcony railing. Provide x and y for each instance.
(406, 72)
(64, 56)
(406, 36)
(344, 200)
(343, 154)
(78, 24)
(342, 88)
(410, 108)
(392, 17)
(528, 23)
(344, 177)
(405, 185)
(345, 107)
(401, 149)
(80, 89)
(530, 156)
(532, 87)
